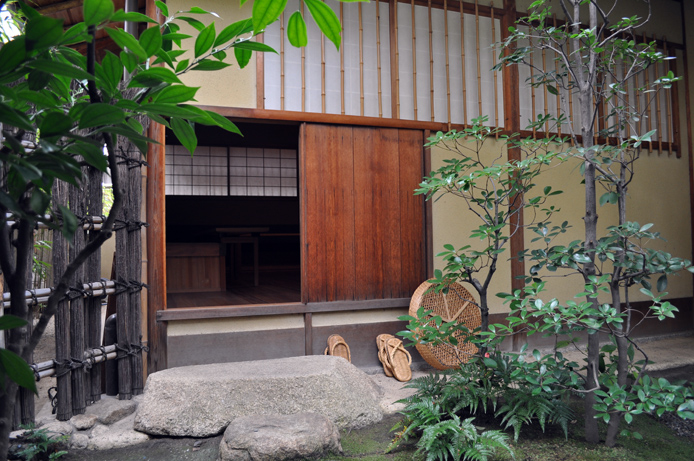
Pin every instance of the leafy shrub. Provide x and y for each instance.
(37, 444)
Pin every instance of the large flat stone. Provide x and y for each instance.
(202, 400)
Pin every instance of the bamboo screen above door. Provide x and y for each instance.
(362, 227)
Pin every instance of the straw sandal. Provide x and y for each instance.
(399, 359)
(338, 347)
(383, 353)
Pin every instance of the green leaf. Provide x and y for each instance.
(254, 46)
(100, 114)
(126, 41)
(266, 12)
(326, 19)
(296, 30)
(661, 285)
(205, 40)
(69, 222)
(133, 16)
(38, 80)
(97, 11)
(55, 123)
(551, 89)
(162, 7)
(243, 56)
(223, 122)
(153, 77)
(129, 60)
(92, 154)
(151, 41)
(112, 69)
(12, 54)
(234, 30)
(42, 32)
(185, 134)
(17, 370)
(196, 24)
(208, 64)
(9, 321)
(75, 34)
(14, 118)
(198, 10)
(59, 68)
(136, 138)
(176, 94)
(169, 110)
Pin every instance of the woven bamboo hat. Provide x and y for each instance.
(458, 305)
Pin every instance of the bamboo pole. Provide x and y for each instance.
(361, 62)
(414, 63)
(571, 100)
(556, 70)
(627, 103)
(134, 258)
(658, 114)
(496, 86)
(448, 72)
(303, 70)
(544, 90)
(397, 60)
(431, 63)
(90, 289)
(322, 73)
(123, 311)
(668, 101)
(479, 71)
(649, 107)
(462, 60)
(342, 69)
(282, 61)
(532, 88)
(378, 59)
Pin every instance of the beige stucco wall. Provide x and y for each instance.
(228, 87)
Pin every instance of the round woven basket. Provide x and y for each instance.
(458, 305)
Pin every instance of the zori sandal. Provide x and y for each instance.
(399, 359)
(383, 353)
(338, 347)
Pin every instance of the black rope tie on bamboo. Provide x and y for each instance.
(76, 292)
(131, 162)
(135, 286)
(131, 351)
(103, 294)
(53, 398)
(34, 298)
(129, 225)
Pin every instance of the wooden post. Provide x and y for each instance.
(156, 239)
(512, 125)
(134, 256)
(62, 316)
(77, 343)
(123, 279)
(92, 274)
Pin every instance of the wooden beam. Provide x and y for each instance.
(262, 310)
(156, 239)
(60, 6)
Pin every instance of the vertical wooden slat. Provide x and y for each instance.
(308, 334)
(414, 61)
(378, 58)
(361, 63)
(556, 69)
(322, 73)
(658, 112)
(448, 72)
(496, 85)
(282, 61)
(668, 101)
(571, 101)
(532, 87)
(431, 64)
(413, 265)
(342, 70)
(303, 213)
(428, 224)
(260, 75)
(675, 97)
(479, 70)
(303, 70)
(134, 257)
(62, 316)
(394, 60)
(649, 105)
(123, 277)
(79, 400)
(156, 239)
(544, 90)
(92, 274)
(462, 60)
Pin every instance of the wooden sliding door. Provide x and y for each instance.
(362, 227)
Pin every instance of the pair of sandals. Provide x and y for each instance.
(394, 357)
(338, 347)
